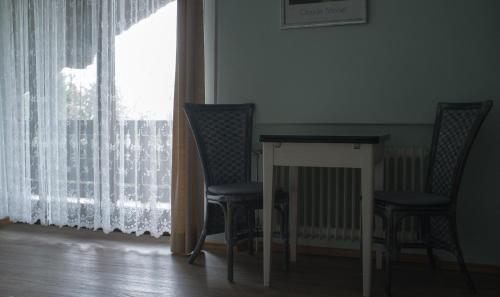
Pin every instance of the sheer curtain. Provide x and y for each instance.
(86, 94)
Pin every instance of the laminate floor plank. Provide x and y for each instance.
(51, 262)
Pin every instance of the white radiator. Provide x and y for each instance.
(329, 198)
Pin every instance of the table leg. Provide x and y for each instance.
(267, 175)
(293, 181)
(367, 224)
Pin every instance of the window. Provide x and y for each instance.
(96, 79)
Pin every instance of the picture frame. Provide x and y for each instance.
(318, 13)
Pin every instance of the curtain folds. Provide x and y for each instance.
(187, 179)
(86, 106)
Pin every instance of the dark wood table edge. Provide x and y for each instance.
(362, 139)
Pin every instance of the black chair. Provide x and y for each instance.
(223, 134)
(456, 127)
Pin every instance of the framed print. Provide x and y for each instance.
(315, 13)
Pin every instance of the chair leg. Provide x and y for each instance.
(250, 245)
(230, 262)
(388, 274)
(251, 228)
(465, 272)
(390, 237)
(432, 259)
(460, 257)
(198, 247)
(285, 235)
(425, 220)
(287, 255)
(229, 241)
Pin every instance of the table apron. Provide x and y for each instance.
(342, 155)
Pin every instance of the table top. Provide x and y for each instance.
(367, 139)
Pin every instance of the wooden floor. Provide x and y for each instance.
(48, 261)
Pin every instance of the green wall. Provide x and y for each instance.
(384, 76)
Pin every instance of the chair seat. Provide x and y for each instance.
(242, 192)
(410, 199)
(249, 188)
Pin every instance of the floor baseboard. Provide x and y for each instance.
(410, 258)
(351, 253)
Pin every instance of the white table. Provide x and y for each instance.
(362, 152)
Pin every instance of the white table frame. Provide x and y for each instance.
(341, 155)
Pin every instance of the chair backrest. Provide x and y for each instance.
(223, 134)
(455, 129)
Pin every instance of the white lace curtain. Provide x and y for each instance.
(86, 90)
